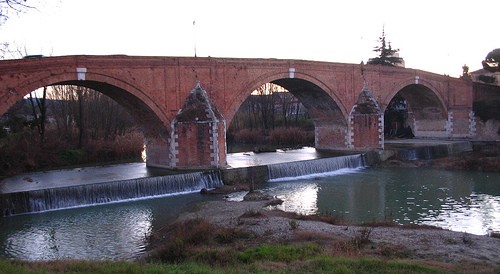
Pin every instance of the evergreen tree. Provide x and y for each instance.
(387, 55)
(492, 60)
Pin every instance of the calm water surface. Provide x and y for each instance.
(112, 231)
(456, 200)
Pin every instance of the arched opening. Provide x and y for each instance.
(396, 119)
(415, 111)
(299, 114)
(271, 117)
(84, 123)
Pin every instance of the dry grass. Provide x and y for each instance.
(249, 136)
(288, 136)
(198, 240)
(325, 218)
(311, 236)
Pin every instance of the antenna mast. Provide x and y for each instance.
(194, 35)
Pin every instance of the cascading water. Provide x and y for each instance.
(100, 193)
(286, 171)
(433, 152)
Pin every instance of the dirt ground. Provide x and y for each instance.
(431, 246)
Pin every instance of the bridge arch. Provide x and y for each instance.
(325, 109)
(426, 113)
(144, 110)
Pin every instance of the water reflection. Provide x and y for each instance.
(124, 236)
(105, 232)
(302, 199)
(246, 159)
(479, 214)
(460, 201)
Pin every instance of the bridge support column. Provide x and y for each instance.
(198, 134)
(366, 123)
(461, 123)
(329, 135)
(157, 152)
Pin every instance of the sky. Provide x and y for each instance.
(439, 36)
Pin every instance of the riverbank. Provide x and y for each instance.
(439, 249)
(428, 246)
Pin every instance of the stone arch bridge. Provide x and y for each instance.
(185, 103)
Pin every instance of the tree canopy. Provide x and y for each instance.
(490, 63)
(387, 55)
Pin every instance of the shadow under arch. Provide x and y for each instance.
(146, 114)
(156, 131)
(142, 114)
(327, 115)
(421, 109)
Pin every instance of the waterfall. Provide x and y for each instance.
(434, 151)
(324, 166)
(108, 192)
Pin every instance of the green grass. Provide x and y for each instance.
(264, 259)
(279, 253)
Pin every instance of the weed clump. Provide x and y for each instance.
(196, 240)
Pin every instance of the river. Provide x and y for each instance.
(456, 200)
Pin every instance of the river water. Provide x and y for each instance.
(457, 200)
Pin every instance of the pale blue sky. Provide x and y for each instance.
(438, 36)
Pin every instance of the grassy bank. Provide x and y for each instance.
(255, 260)
(197, 246)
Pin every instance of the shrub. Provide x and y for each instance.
(293, 224)
(252, 213)
(174, 252)
(249, 136)
(323, 217)
(23, 151)
(361, 237)
(190, 239)
(73, 156)
(288, 136)
(129, 145)
(231, 235)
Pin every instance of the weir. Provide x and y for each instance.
(15, 201)
(427, 152)
(106, 192)
(317, 166)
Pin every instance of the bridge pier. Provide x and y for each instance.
(366, 123)
(329, 136)
(198, 134)
(157, 152)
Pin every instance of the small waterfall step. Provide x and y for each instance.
(428, 151)
(317, 166)
(106, 192)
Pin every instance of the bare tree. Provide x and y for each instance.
(88, 113)
(266, 105)
(8, 7)
(39, 112)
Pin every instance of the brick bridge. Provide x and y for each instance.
(185, 103)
